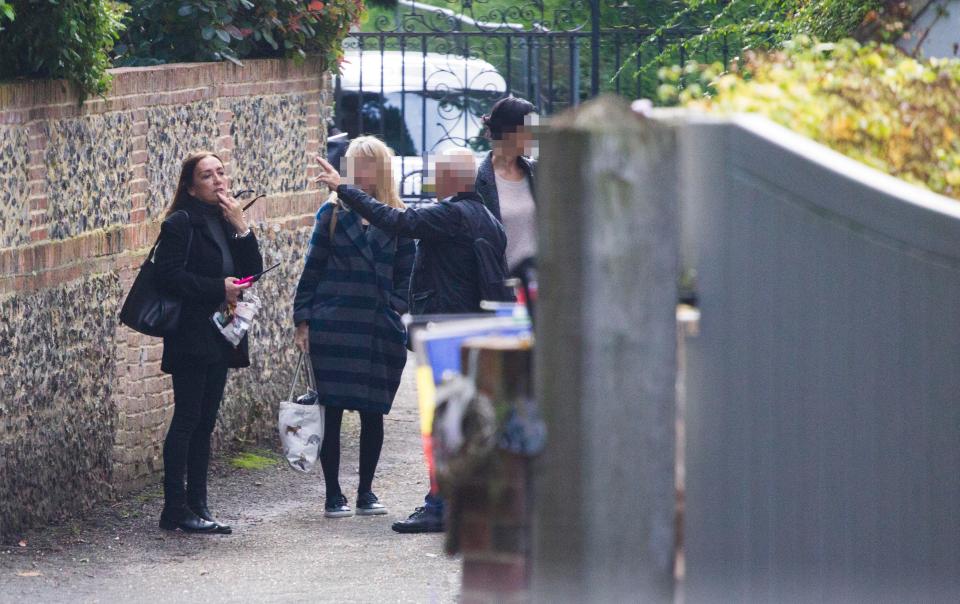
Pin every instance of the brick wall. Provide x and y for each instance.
(488, 494)
(83, 404)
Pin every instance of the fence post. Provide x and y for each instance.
(605, 361)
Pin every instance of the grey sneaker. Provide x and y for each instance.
(336, 507)
(369, 505)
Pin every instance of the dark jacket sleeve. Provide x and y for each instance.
(402, 268)
(436, 221)
(314, 263)
(170, 257)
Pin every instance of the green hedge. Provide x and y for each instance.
(870, 102)
(68, 39)
(75, 39)
(167, 31)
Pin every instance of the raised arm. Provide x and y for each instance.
(436, 221)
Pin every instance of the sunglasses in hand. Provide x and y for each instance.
(239, 194)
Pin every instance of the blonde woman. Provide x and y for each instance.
(347, 311)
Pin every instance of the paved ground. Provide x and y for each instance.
(282, 549)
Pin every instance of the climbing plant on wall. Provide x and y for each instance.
(165, 31)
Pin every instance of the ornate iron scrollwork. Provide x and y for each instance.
(471, 52)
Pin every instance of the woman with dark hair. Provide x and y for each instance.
(505, 179)
(205, 244)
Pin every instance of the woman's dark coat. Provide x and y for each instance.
(353, 291)
(487, 182)
(199, 284)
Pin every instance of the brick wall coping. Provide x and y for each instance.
(30, 94)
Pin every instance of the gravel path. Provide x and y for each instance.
(282, 549)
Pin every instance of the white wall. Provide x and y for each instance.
(822, 417)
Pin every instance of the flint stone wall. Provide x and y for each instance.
(83, 404)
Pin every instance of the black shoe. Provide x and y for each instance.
(201, 510)
(369, 505)
(336, 507)
(420, 521)
(187, 522)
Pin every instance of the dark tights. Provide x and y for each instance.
(371, 441)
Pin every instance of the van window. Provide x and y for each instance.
(416, 123)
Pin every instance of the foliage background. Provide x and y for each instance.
(78, 40)
(871, 102)
(164, 31)
(644, 36)
(766, 24)
(69, 39)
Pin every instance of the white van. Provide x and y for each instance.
(418, 103)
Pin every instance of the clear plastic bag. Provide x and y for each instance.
(235, 320)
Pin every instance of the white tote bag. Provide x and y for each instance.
(301, 423)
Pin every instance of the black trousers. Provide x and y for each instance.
(371, 443)
(197, 392)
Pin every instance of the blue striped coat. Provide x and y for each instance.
(353, 291)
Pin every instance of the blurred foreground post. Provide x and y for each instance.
(492, 433)
(604, 509)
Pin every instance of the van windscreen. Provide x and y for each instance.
(417, 123)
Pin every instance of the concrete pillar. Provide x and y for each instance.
(605, 362)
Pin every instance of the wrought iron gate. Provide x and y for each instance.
(421, 76)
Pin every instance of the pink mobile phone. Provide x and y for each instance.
(254, 278)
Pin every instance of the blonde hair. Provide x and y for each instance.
(385, 190)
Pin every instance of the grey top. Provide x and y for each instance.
(220, 237)
(519, 216)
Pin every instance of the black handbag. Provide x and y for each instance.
(148, 310)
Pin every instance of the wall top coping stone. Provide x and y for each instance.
(605, 113)
(23, 94)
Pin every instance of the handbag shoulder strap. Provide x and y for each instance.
(189, 241)
(296, 375)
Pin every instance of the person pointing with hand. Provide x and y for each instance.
(456, 236)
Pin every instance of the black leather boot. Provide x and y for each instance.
(186, 521)
(200, 509)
